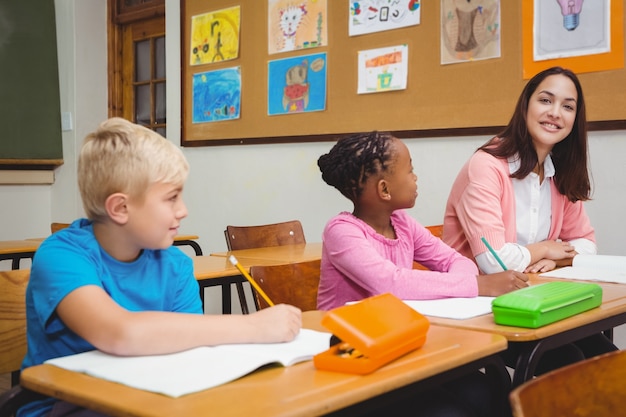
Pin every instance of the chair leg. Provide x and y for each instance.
(242, 298)
(15, 378)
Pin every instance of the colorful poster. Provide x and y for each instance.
(297, 85)
(296, 24)
(215, 36)
(470, 30)
(369, 16)
(383, 69)
(216, 95)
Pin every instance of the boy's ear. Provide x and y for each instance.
(116, 207)
(383, 190)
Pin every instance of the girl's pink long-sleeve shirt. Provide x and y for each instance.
(358, 263)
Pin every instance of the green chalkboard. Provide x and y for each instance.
(30, 111)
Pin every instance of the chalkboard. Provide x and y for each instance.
(467, 98)
(30, 111)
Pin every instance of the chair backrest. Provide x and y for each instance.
(595, 387)
(436, 230)
(13, 285)
(276, 234)
(55, 227)
(12, 319)
(294, 283)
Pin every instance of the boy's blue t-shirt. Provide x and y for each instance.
(159, 280)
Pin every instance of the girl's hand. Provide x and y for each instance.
(493, 285)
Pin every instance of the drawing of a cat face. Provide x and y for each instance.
(290, 19)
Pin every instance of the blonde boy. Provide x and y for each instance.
(113, 281)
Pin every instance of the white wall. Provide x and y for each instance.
(254, 184)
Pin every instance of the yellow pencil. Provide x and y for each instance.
(241, 269)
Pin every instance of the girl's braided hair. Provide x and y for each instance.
(355, 158)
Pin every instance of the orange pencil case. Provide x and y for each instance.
(378, 330)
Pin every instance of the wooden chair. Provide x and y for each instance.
(260, 236)
(13, 337)
(294, 283)
(437, 231)
(595, 387)
(55, 227)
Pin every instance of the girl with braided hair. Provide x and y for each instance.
(371, 250)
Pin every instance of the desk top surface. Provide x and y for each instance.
(613, 303)
(298, 390)
(18, 246)
(186, 237)
(287, 253)
(210, 266)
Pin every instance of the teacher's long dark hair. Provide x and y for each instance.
(569, 156)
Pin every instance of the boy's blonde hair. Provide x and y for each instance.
(124, 157)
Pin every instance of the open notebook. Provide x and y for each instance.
(607, 268)
(196, 369)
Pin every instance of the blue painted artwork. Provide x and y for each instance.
(216, 95)
(297, 85)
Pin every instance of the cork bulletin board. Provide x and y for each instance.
(468, 98)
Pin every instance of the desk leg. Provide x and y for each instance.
(242, 298)
(226, 307)
(530, 352)
(16, 258)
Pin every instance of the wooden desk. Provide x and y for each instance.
(179, 240)
(299, 390)
(16, 250)
(212, 271)
(534, 342)
(279, 254)
(261, 256)
(188, 240)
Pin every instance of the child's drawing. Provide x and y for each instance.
(216, 95)
(215, 36)
(368, 16)
(383, 69)
(563, 33)
(296, 24)
(470, 30)
(297, 85)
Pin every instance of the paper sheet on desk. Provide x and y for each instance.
(607, 268)
(452, 308)
(196, 369)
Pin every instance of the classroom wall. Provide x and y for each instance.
(254, 184)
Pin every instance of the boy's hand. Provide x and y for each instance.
(280, 323)
(493, 285)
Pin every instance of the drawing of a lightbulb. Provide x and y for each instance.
(570, 9)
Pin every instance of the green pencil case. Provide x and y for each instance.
(547, 303)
